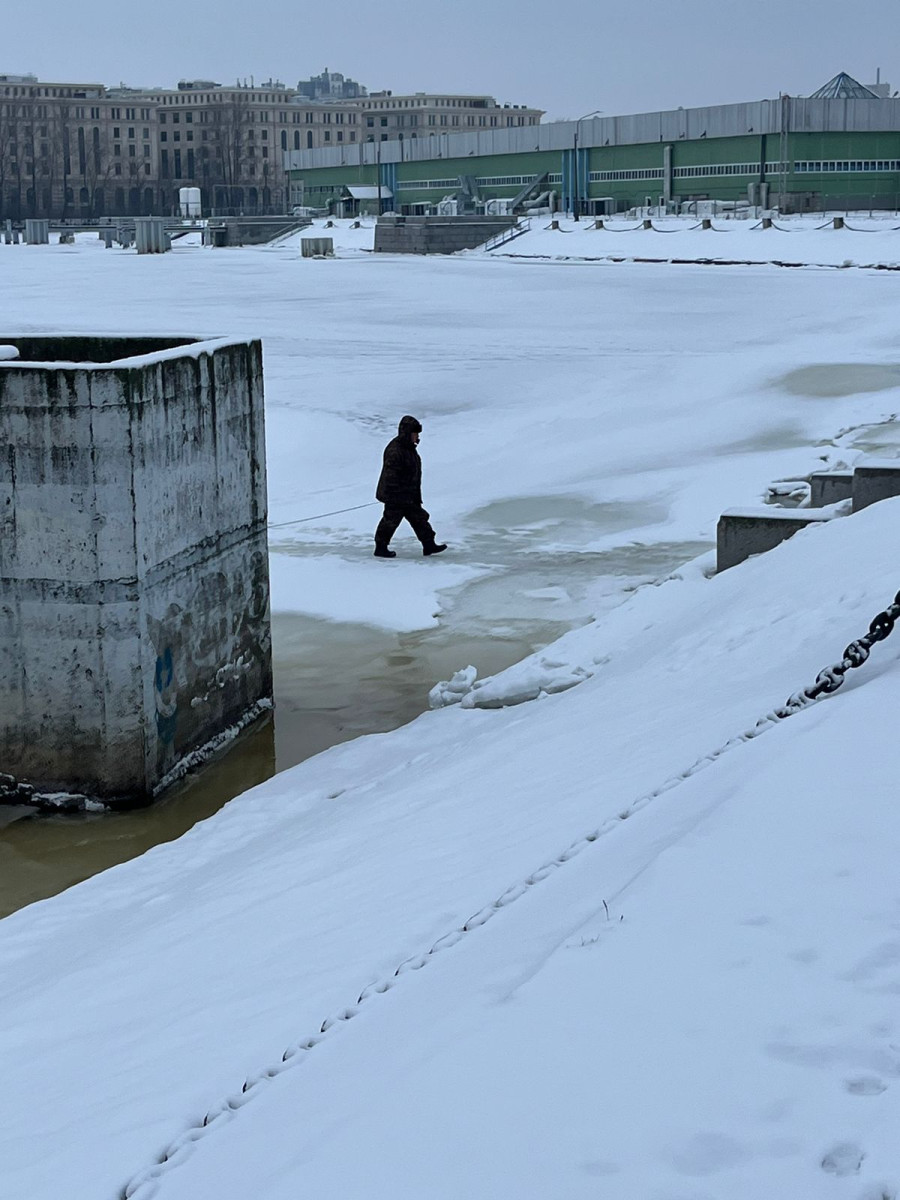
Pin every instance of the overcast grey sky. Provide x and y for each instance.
(569, 57)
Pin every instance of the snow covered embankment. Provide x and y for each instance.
(200, 965)
(867, 243)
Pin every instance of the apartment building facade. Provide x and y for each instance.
(385, 117)
(83, 151)
(86, 151)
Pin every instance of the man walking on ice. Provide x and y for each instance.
(400, 491)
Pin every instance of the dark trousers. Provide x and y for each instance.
(394, 514)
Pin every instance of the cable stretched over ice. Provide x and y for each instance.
(320, 516)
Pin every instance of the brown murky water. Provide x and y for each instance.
(336, 681)
(332, 683)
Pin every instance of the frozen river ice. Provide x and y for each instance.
(584, 428)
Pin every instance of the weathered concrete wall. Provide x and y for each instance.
(744, 532)
(874, 481)
(251, 231)
(134, 619)
(436, 235)
(829, 487)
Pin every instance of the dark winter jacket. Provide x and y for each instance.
(400, 483)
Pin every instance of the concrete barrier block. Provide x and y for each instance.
(37, 231)
(320, 247)
(829, 487)
(874, 481)
(134, 623)
(741, 533)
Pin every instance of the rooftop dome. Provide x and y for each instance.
(843, 87)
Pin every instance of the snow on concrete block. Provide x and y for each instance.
(741, 533)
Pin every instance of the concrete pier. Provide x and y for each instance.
(742, 533)
(134, 599)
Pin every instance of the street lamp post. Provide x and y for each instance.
(378, 169)
(576, 197)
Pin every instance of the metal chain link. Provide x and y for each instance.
(829, 679)
(144, 1185)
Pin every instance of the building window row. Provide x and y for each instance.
(425, 101)
(429, 184)
(835, 166)
(324, 189)
(505, 180)
(613, 176)
(716, 169)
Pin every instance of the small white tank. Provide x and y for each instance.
(189, 201)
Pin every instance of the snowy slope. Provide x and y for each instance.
(737, 1019)
(736, 1027)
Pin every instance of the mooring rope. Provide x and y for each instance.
(320, 516)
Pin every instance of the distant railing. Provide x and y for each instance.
(507, 235)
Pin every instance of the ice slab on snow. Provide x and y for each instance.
(400, 594)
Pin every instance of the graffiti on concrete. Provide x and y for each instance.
(210, 653)
(166, 696)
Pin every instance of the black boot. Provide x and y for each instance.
(434, 548)
(381, 551)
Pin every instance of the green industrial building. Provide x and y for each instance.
(838, 149)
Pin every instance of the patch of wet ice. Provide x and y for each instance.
(824, 380)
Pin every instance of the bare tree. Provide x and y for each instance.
(7, 160)
(230, 126)
(95, 170)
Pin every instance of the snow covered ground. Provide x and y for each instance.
(547, 998)
(572, 416)
(791, 241)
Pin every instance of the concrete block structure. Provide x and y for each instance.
(134, 598)
(436, 235)
(317, 247)
(829, 487)
(150, 235)
(874, 481)
(742, 533)
(37, 233)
